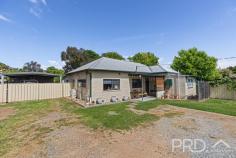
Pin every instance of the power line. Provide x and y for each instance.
(227, 58)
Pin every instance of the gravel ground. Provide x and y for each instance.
(208, 127)
(153, 140)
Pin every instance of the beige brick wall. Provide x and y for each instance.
(97, 85)
(125, 85)
(73, 79)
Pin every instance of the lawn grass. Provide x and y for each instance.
(227, 107)
(19, 129)
(26, 112)
(115, 116)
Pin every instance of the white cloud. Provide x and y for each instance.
(56, 64)
(224, 63)
(37, 7)
(34, 1)
(36, 12)
(44, 2)
(3, 18)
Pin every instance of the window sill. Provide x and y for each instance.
(111, 90)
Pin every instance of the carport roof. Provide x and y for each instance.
(108, 64)
(30, 74)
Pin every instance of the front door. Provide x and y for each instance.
(81, 87)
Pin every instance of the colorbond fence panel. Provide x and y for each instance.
(2, 93)
(33, 91)
(222, 92)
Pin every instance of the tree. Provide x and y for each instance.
(32, 66)
(233, 69)
(74, 57)
(146, 58)
(4, 67)
(56, 71)
(196, 63)
(226, 72)
(90, 56)
(113, 55)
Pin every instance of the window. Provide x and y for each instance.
(168, 83)
(72, 83)
(190, 83)
(82, 83)
(111, 84)
(136, 83)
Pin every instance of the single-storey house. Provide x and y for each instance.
(110, 80)
(30, 77)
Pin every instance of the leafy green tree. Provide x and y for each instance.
(90, 55)
(196, 63)
(4, 67)
(146, 58)
(74, 57)
(113, 55)
(56, 71)
(32, 66)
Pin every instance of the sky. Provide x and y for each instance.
(40, 30)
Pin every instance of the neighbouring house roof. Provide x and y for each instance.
(108, 64)
(30, 74)
(162, 69)
(233, 76)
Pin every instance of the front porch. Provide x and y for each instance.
(160, 86)
(147, 98)
(143, 86)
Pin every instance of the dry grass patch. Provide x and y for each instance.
(187, 125)
(6, 112)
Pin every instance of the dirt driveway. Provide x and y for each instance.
(153, 140)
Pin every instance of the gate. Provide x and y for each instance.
(203, 90)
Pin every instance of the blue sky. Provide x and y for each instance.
(40, 29)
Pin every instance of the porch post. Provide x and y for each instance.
(142, 85)
(156, 91)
